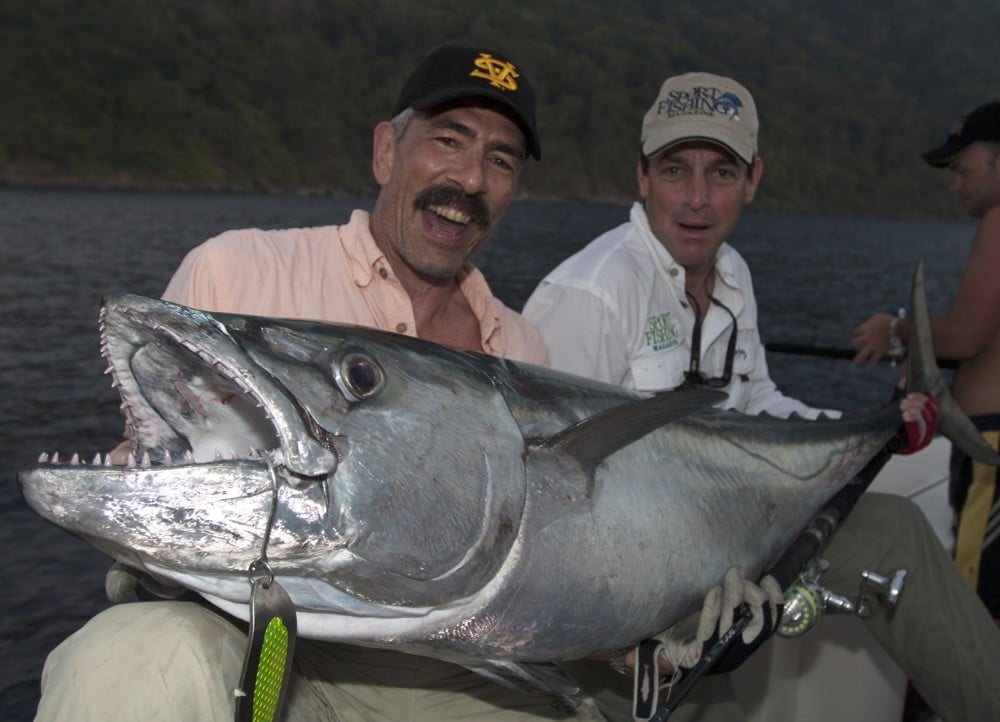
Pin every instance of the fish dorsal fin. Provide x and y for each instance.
(925, 376)
(595, 438)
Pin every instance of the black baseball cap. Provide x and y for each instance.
(983, 123)
(454, 72)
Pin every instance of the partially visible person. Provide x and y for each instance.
(662, 301)
(447, 165)
(970, 334)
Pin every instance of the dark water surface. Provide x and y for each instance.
(60, 251)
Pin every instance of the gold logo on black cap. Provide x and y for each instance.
(500, 73)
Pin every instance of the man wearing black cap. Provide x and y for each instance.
(969, 333)
(447, 165)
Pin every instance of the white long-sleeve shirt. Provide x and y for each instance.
(616, 311)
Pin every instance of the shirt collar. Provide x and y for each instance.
(367, 260)
(360, 249)
(725, 258)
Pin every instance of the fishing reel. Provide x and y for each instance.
(806, 599)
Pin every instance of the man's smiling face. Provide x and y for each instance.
(444, 185)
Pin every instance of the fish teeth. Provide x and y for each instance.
(97, 460)
(74, 460)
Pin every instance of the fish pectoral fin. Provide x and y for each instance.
(527, 676)
(595, 438)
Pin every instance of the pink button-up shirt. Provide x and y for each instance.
(335, 274)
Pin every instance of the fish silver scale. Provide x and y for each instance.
(468, 508)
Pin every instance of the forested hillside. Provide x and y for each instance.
(281, 95)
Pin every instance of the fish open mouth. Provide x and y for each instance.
(181, 401)
(191, 394)
(218, 445)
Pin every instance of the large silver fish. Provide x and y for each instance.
(445, 503)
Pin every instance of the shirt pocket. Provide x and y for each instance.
(744, 355)
(659, 371)
(747, 349)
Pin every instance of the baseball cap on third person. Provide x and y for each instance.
(983, 123)
(702, 106)
(454, 72)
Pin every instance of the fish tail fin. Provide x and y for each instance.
(925, 377)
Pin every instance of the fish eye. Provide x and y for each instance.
(359, 376)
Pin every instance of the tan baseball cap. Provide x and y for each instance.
(702, 106)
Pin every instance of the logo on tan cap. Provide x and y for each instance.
(702, 106)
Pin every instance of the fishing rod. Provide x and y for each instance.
(834, 352)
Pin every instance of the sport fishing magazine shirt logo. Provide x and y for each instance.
(701, 100)
(661, 332)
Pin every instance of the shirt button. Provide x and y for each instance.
(383, 273)
(400, 327)
(673, 272)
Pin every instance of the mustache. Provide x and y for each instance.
(472, 206)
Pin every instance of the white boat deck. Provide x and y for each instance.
(922, 477)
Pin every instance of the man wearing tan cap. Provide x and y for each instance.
(969, 333)
(663, 301)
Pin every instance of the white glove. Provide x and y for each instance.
(686, 641)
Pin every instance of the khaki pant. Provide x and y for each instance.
(179, 661)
